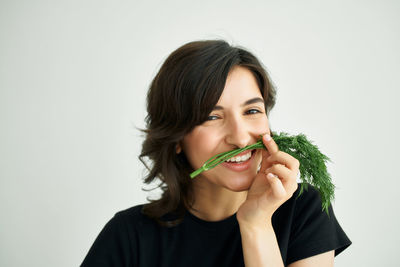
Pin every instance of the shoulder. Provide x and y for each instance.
(307, 207)
(309, 191)
(132, 217)
(116, 241)
(313, 230)
(302, 216)
(304, 199)
(123, 220)
(307, 195)
(132, 213)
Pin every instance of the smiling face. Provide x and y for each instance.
(238, 120)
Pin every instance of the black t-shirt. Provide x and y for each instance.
(132, 239)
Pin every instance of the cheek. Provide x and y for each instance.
(200, 146)
(261, 126)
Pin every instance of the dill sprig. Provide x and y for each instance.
(312, 163)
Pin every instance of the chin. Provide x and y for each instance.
(239, 184)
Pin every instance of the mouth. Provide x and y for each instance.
(242, 157)
(240, 162)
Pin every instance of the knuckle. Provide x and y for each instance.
(278, 167)
(297, 163)
(280, 153)
(271, 169)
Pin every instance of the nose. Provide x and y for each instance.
(238, 133)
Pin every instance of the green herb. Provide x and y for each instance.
(312, 163)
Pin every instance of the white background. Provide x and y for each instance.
(73, 79)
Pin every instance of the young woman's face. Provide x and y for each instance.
(238, 120)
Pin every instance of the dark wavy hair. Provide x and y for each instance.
(181, 96)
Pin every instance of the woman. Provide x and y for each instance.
(210, 97)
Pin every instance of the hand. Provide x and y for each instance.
(268, 192)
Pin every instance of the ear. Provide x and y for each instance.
(178, 148)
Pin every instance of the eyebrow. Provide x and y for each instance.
(248, 102)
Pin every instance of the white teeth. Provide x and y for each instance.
(240, 158)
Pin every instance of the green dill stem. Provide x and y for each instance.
(217, 159)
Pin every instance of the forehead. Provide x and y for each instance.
(240, 86)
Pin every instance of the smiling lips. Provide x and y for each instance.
(245, 155)
(240, 162)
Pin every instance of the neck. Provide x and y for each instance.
(215, 203)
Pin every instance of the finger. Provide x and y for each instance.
(288, 182)
(285, 175)
(277, 187)
(270, 144)
(285, 159)
(264, 162)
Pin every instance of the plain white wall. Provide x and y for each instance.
(73, 79)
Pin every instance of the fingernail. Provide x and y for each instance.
(267, 137)
(270, 175)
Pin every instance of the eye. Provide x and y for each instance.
(212, 118)
(253, 111)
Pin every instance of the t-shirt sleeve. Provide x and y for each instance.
(314, 231)
(113, 246)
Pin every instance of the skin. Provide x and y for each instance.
(219, 192)
(253, 195)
